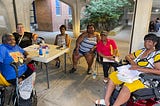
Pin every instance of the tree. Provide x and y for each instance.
(105, 14)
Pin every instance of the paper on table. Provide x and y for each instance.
(107, 60)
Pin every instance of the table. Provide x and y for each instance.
(54, 52)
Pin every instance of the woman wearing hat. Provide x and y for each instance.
(108, 51)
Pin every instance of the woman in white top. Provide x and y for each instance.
(62, 39)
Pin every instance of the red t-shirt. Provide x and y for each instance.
(108, 48)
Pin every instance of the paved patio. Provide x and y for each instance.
(77, 89)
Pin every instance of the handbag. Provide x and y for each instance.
(31, 66)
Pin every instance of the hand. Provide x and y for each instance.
(91, 50)
(20, 80)
(27, 60)
(111, 58)
(35, 36)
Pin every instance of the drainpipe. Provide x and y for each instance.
(15, 12)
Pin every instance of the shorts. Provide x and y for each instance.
(81, 53)
(135, 85)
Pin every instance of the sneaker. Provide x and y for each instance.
(89, 71)
(72, 70)
(57, 64)
(100, 102)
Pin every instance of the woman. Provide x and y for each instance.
(148, 54)
(85, 46)
(22, 38)
(9, 53)
(62, 39)
(108, 51)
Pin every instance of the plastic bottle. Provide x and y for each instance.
(64, 44)
(47, 51)
(94, 75)
(40, 51)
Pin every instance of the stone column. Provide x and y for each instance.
(8, 14)
(23, 12)
(76, 19)
(140, 23)
(76, 6)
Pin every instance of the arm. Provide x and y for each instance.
(25, 53)
(26, 59)
(55, 42)
(98, 39)
(130, 59)
(114, 48)
(116, 53)
(108, 57)
(79, 40)
(156, 69)
(34, 37)
(68, 40)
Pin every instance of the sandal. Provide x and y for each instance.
(105, 80)
(57, 64)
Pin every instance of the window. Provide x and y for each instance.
(33, 14)
(69, 10)
(58, 7)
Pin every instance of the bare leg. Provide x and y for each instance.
(75, 59)
(110, 88)
(57, 62)
(123, 96)
(89, 58)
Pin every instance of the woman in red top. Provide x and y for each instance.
(107, 49)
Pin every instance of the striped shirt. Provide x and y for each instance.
(87, 44)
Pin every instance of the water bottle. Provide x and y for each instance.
(94, 75)
(64, 43)
(40, 51)
(47, 51)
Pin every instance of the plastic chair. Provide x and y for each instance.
(40, 40)
(3, 81)
(69, 46)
